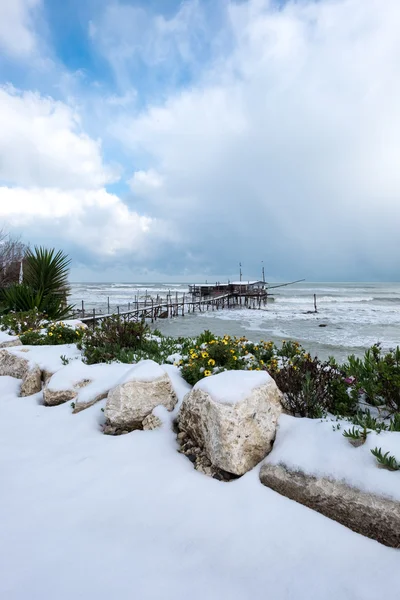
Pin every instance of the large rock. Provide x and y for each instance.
(233, 417)
(82, 383)
(146, 386)
(373, 516)
(21, 368)
(53, 397)
(10, 343)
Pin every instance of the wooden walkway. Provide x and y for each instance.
(153, 310)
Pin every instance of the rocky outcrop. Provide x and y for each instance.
(131, 402)
(21, 368)
(234, 436)
(53, 397)
(374, 516)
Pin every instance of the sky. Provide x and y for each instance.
(170, 140)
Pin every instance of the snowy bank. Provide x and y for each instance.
(92, 516)
(314, 447)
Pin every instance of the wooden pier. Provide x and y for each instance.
(153, 310)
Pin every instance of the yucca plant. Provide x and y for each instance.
(47, 270)
(45, 285)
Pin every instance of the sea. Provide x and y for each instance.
(350, 318)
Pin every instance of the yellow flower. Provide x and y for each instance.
(261, 362)
(211, 362)
(207, 373)
(232, 352)
(257, 369)
(234, 357)
(194, 355)
(204, 354)
(50, 333)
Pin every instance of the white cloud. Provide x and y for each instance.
(42, 144)
(93, 220)
(290, 145)
(145, 181)
(129, 36)
(17, 33)
(52, 179)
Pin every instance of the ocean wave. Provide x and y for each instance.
(323, 299)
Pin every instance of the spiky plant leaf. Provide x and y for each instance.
(386, 460)
(47, 270)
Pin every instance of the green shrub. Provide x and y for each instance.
(312, 388)
(111, 339)
(54, 335)
(376, 378)
(17, 323)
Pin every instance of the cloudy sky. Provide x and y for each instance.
(160, 139)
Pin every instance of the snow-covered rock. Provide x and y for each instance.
(371, 515)
(85, 384)
(233, 416)
(20, 367)
(49, 359)
(7, 341)
(144, 387)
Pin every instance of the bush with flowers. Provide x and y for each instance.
(54, 334)
(16, 323)
(208, 355)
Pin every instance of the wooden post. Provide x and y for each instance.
(83, 308)
(118, 310)
(129, 306)
(315, 303)
(108, 305)
(94, 318)
(152, 310)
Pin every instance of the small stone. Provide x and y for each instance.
(182, 435)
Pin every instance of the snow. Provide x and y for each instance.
(90, 516)
(144, 370)
(74, 323)
(174, 358)
(47, 357)
(103, 377)
(5, 337)
(314, 447)
(180, 386)
(230, 387)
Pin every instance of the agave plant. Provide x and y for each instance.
(45, 285)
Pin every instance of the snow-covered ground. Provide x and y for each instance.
(87, 516)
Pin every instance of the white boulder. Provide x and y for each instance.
(7, 341)
(85, 384)
(21, 368)
(233, 417)
(143, 388)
